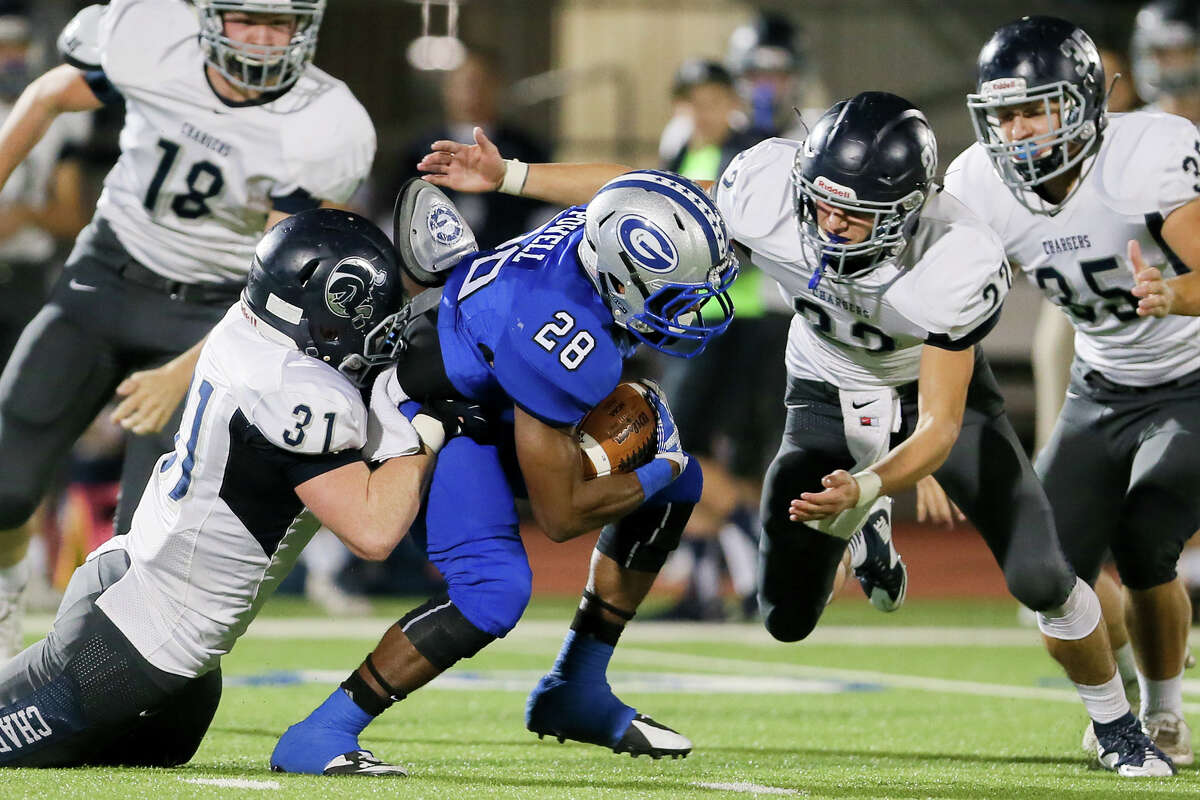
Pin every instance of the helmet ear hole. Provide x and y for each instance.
(329, 335)
(306, 272)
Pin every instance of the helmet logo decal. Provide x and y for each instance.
(646, 244)
(1003, 86)
(350, 289)
(834, 188)
(1075, 48)
(444, 224)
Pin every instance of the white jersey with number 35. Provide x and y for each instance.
(220, 524)
(197, 176)
(945, 288)
(1148, 165)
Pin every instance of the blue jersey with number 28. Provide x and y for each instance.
(524, 324)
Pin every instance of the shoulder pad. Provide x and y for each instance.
(962, 277)
(311, 418)
(754, 193)
(558, 384)
(329, 146)
(79, 42)
(1150, 163)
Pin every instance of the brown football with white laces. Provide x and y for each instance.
(618, 436)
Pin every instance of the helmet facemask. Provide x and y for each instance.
(1030, 162)
(254, 67)
(1165, 54)
(381, 348)
(891, 225)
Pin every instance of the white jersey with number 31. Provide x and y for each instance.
(197, 176)
(1148, 165)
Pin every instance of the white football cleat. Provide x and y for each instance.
(877, 565)
(362, 762)
(644, 736)
(1172, 735)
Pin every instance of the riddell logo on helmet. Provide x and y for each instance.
(1002, 86)
(835, 189)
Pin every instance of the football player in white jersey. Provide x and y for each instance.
(1096, 209)
(275, 441)
(893, 283)
(228, 129)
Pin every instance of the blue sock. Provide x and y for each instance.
(341, 713)
(582, 658)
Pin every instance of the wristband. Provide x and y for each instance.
(515, 173)
(655, 476)
(869, 485)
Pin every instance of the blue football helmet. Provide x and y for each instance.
(657, 250)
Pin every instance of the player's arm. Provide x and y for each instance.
(276, 216)
(479, 167)
(1159, 296)
(62, 89)
(564, 504)
(370, 511)
(942, 398)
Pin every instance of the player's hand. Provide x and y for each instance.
(840, 493)
(666, 431)
(1155, 295)
(460, 418)
(390, 433)
(151, 397)
(934, 506)
(464, 167)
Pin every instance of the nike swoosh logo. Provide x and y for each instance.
(861, 405)
(82, 287)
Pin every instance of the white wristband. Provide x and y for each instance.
(431, 431)
(869, 485)
(515, 173)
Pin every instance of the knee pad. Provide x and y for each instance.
(1040, 584)
(642, 540)
(495, 605)
(440, 632)
(1076, 618)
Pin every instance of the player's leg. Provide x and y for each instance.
(574, 700)
(58, 378)
(798, 565)
(472, 537)
(991, 480)
(1161, 511)
(71, 698)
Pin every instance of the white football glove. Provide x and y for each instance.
(389, 432)
(667, 432)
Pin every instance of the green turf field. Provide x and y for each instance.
(947, 700)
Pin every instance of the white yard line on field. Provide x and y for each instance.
(233, 783)
(749, 788)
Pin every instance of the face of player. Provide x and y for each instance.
(260, 30)
(849, 226)
(1029, 122)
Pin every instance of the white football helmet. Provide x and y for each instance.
(657, 250)
(260, 68)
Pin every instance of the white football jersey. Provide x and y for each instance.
(30, 184)
(1148, 164)
(946, 286)
(197, 176)
(220, 524)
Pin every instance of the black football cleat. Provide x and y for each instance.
(356, 762)
(877, 565)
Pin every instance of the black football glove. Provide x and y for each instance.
(460, 418)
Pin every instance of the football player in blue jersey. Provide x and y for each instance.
(537, 332)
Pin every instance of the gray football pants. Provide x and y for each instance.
(94, 330)
(1122, 471)
(987, 474)
(84, 695)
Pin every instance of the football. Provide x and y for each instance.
(618, 435)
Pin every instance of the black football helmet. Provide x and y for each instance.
(873, 155)
(1039, 60)
(1161, 27)
(327, 280)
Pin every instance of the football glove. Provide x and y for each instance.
(389, 432)
(669, 446)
